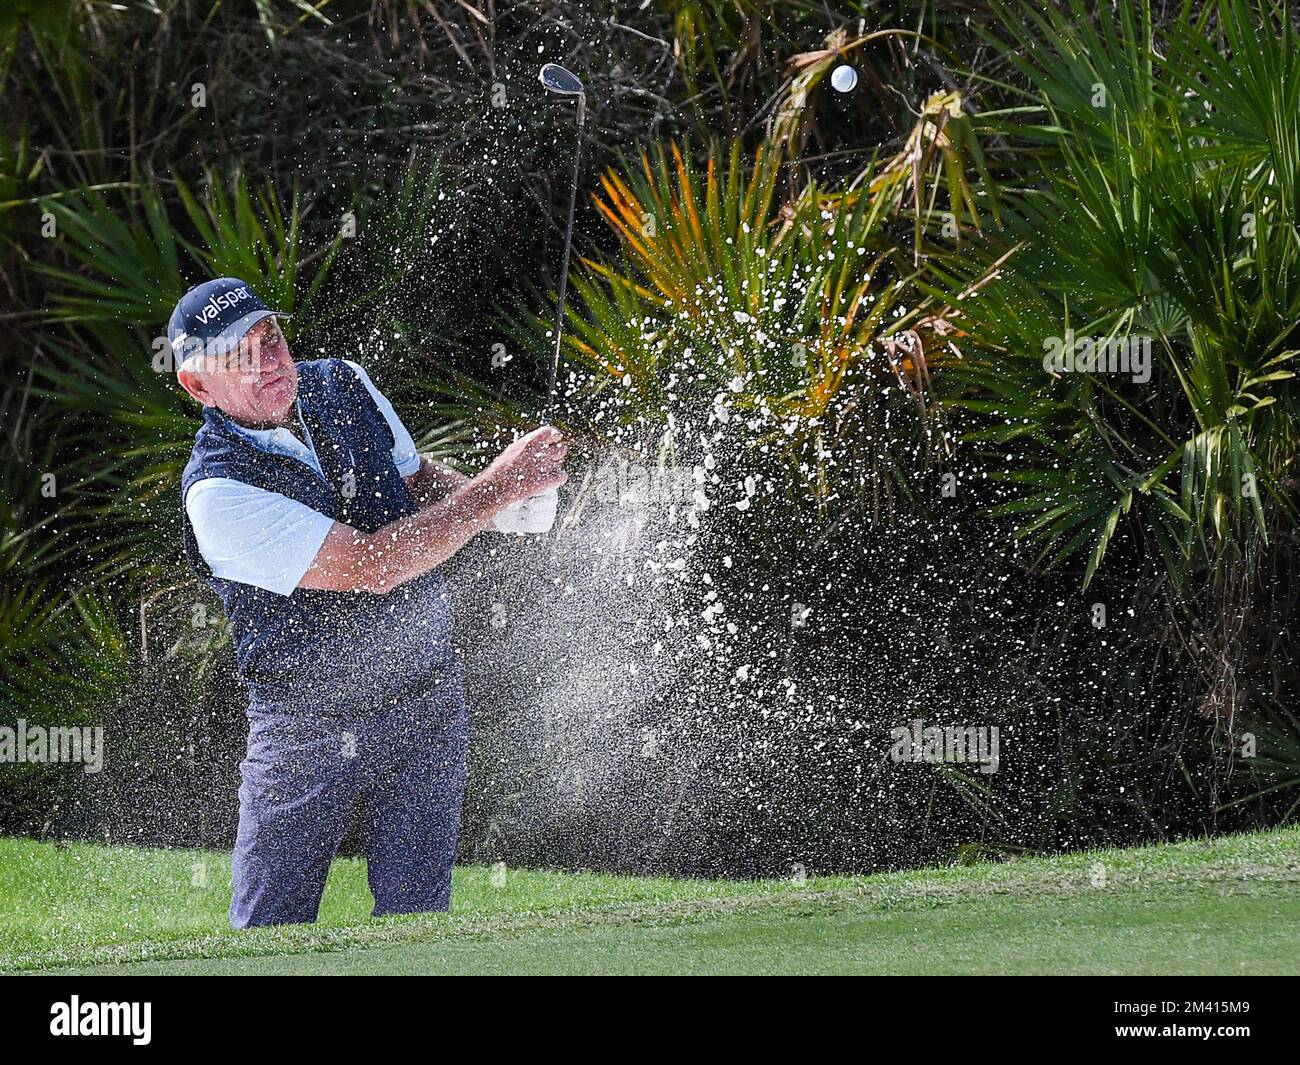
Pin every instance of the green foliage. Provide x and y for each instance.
(43, 19)
(131, 263)
(1140, 228)
(63, 661)
(1277, 758)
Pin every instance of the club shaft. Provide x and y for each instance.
(564, 266)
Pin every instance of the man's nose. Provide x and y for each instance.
(267, 359)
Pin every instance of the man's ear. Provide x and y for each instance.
(195, 385)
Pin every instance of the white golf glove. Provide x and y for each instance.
(533, 515)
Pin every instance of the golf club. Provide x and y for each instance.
(564, 83)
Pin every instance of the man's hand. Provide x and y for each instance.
(531, 465)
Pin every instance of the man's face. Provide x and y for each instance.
(255, 384)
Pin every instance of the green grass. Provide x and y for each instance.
(1227, 905)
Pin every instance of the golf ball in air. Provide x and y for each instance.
(844, 78)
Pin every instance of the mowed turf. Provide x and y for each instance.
(1227, 905)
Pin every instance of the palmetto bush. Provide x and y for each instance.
(1165, 206)
(789, 329)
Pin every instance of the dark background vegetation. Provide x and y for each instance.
(919, 237)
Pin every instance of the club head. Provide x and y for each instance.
(561, 81)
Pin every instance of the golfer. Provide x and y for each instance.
(310, 512)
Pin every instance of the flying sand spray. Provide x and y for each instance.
(592, 615)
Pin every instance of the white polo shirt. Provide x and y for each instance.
(266, 539)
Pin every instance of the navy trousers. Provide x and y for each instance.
(401, 770)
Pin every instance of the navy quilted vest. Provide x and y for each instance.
(327, 652)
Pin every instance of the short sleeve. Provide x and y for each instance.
(254, 536)
(405, 454)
